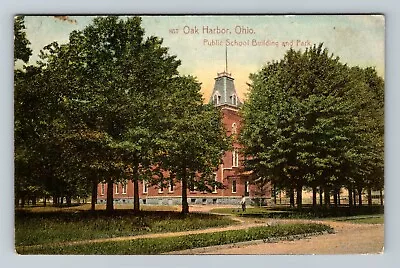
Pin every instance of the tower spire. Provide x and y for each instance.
(226, 58)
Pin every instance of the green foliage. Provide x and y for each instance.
(169, 244)
(21, 42)
(34, 228)
(110, 106)
(195, 138)
(312, 121)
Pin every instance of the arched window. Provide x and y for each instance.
(234, 128)
(116, 188)
(234, 99)
(216, 99)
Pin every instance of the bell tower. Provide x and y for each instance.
(224, 92)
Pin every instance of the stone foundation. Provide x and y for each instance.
(193, 200)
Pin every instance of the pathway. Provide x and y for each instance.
(349, 238)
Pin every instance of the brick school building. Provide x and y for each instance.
(229, 173)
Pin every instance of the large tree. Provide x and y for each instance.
(195, 139)
(300, 122)
(107, 86)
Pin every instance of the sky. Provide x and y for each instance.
(202, 42)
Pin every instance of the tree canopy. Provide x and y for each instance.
(311, 120)
(109, 106)
(195, 139)
(22, 51)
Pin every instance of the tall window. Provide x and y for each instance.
(102, 189)
(234, 186)
(247, 188)
(144, 182)
(171, 186)
(235, 158)
(116, 188)
(216, 99)
(234, 128)
(215, 187)
(124, 187)
(234, 99)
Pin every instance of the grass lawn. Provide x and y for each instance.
(41, 227)
(260, 212)
(168, 244)
(305, 213)
(368, 219)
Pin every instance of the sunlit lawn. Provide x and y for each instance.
(48, 225)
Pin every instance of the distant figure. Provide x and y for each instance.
(243, 203)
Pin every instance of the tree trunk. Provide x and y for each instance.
(274, 194)
(44, 201)
(354, 197)
(327, 197)
(314, 196)
(350, 190)
(360, 197)
(110, 197)
(369, 197)
(185, 205)
(23, 201)
(94, 195)
(299, 197)
(61, 200)
(338, 196)
(34, 200)
(335, 200)
(136, 201)
(381, 196)
(291, 196)
(55, 200)
(68, 200)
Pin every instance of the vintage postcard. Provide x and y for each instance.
(199, 134)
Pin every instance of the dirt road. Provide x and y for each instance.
(349, 238)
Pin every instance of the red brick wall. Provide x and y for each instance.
(230, 173)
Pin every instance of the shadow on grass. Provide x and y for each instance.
(79, 215)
